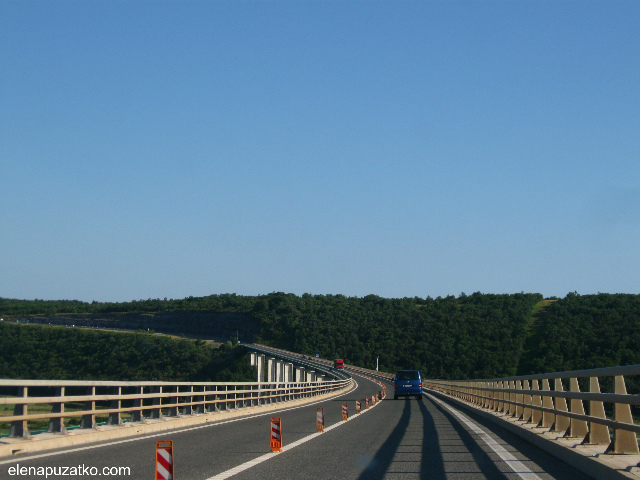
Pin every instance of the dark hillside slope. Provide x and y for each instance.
(48, 352)
(587, 331)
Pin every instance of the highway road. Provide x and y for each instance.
(397, 439)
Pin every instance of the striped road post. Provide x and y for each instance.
(164, 460)
(276, 434)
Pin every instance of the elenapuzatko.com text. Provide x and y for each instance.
(75, 471)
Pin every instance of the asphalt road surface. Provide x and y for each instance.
(397, 439)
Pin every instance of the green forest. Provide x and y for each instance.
(469, 336)
(43, 352)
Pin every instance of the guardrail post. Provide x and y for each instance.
(598, 433)
(492, 396)
(255, 395)
(578, 428)
(208, 405)
(137, 415)
(624, 441)
(19, 428)
(225, 398)
(188, 409)
(527, 400)
(562, 422)
(115, 418)
(548, 418)
(173, 400)
(536, 401)
(500, 396)
(56, 424)
(520, 400)
(156, 401)
(89, 420)
(200, 399)
(510, 407)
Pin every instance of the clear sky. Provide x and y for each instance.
(153, 149)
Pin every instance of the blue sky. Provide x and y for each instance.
(177, 148)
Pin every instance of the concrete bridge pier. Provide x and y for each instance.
(271, 369)
(257, 360)
(288, 373)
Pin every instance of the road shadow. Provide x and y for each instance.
(482, 459)
(378, 467)
(431, 462)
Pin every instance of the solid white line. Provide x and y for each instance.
(168, 432)
(516, 465)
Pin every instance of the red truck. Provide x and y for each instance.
(338, 364)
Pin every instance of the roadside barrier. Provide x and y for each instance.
(276, 434)
(358, 410)
(542, 400)
(49, 400)
(345, 411)
(164, 460)
(320, 420)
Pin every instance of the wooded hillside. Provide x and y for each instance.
(469, 336)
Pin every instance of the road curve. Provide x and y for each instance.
(398, 439)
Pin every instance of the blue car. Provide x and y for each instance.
(407, 383)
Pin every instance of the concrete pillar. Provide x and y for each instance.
(271, 370)
(300, 375)
(279, 372)
(288, 373)
(260, 365)
(311, 376)
(254, 356)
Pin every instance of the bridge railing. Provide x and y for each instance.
(52, 402)
(555, 401)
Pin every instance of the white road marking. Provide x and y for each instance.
(516, 465)
(163, 434)
(297, 443)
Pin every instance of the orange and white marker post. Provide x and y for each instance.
(358, 409)
(276, 434)
(373, 400)
(366, 403)
(320, 420)
(164, 460)
(345, 411)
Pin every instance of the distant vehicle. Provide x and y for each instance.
(407, 383)
(338, 364)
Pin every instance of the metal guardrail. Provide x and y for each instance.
(531, 400)
(59, 400)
